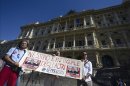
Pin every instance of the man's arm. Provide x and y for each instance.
(7, 59)
(89, 70)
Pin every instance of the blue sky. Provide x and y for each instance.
(17, 13)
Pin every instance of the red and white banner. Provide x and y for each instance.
(55, 65)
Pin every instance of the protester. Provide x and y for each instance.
(10, 72)
(87, 72)
(53, 80)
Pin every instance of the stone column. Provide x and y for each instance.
(92, 21)
(85, 22)
(126, 39)
(41, 45)
(54, 45)
(28, 33)
(86, 41)
(104, 20)
(53, 27)
(48, 47)
(117, 18)
(96, 44)
(66, 26)
(115, 60)
(31, 33)
(75, 24)
(98, 62)
(34, 45)
(64, 42)
(74, 41)
(110, 38)
(58, 27)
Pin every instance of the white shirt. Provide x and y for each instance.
(87, 69)
(16, 54)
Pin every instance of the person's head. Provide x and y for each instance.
(85, 55)
(57, 53)
(23, 44)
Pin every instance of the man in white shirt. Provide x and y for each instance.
(87, 72)
(10, 72)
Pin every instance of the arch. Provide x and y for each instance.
(107, 61)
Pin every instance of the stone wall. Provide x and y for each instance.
(41, 79)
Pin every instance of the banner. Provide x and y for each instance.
(49, 64)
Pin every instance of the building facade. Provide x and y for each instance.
(104, 34)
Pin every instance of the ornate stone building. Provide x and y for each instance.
(103, 33)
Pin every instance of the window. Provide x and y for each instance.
(99, 23)
(90, 42)
(48, 31)
(69, 44)
(51, 46)
(42, 32)
(77, 21)
(80, 43)
(103, 42)
(36, 48)
(44, 47)
(89, 34)
(55, 29)
(39, 42)
(88, 23)
(124, 18)
(101, 34)
(71, 26)
(58, 45)
(118, 41)
(36, 33)
(63, 28)
(111, 20)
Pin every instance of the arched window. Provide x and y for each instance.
(107, 61)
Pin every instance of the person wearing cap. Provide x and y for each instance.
(10, 72)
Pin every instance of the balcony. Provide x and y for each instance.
(71, 48)
(105, 46)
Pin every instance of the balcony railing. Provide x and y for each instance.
(105, 46)
(71, 48)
